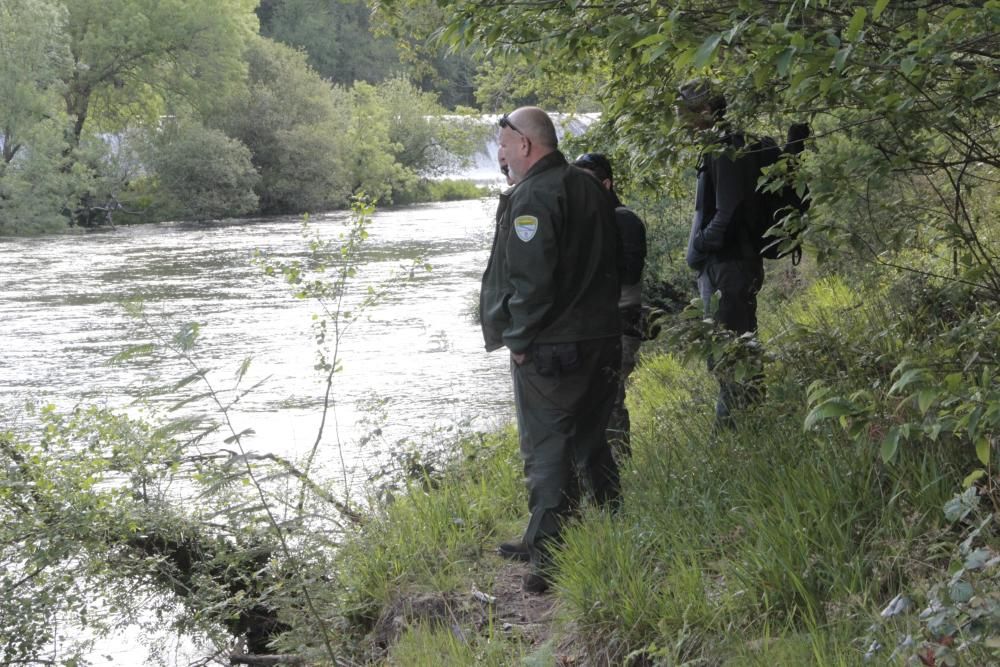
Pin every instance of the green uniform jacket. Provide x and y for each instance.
(552, 275)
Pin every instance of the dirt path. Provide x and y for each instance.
(518, 612)
(524, 617)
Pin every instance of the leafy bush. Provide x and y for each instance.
(427, 190)
(201, 174)
(288, 119)
(37, 188)
(452, 190)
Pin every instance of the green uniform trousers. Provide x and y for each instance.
(564, 394)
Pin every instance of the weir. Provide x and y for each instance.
(484, 169)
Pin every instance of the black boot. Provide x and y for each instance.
(535, 583)
(514, 551)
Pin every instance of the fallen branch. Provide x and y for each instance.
(249, 659)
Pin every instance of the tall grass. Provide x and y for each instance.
(742, 545)
(437, 646)
(432, 538)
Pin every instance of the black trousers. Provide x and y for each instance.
(737, 282)
(563, 395)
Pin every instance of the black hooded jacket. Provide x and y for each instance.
(724, 207)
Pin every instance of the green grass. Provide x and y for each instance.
(441, 646)
(434, 537)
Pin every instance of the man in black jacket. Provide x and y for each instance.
(632, 234)
(721, 247)
(550, 295)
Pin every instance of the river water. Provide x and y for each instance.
(413, 365)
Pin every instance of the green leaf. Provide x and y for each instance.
(197, 375)
(955, 14)
(960, 591)
(907, 65)
(925, 399)
(857, 22)
(784, 61)
(879, 7)
(244, 367)
(960, 506)
(890, 444)
(973, 477)
(740, 371)
(978, 558)
(730, 34)
(706, 51)
(830, 408)
(654, 54)
(840, 60)
(650, 40)
(238, 436)
(187, 335)
(816, 391)
(176, 426)
(906, 379)
(131, 352)
(983, 450)
(190, 399)
(684, 59)
(973, 423)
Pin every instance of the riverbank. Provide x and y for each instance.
(768, 545)
(420, 191)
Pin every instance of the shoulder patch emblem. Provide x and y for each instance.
(525, 227)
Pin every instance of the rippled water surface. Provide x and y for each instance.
(418, 354)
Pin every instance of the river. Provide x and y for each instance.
(413, 365)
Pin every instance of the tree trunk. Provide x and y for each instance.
(77, 105)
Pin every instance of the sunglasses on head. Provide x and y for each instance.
(505, 122)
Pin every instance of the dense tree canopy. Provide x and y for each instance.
(336, 36)
(130, 57)
(94, 89)
(34, 63)
(285, 116)
(201, 173)
(34, 60)
(904, 101)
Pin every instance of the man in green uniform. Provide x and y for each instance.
(550, 296)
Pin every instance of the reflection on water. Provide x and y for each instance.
(418, 354)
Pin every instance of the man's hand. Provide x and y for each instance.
(519, 357)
